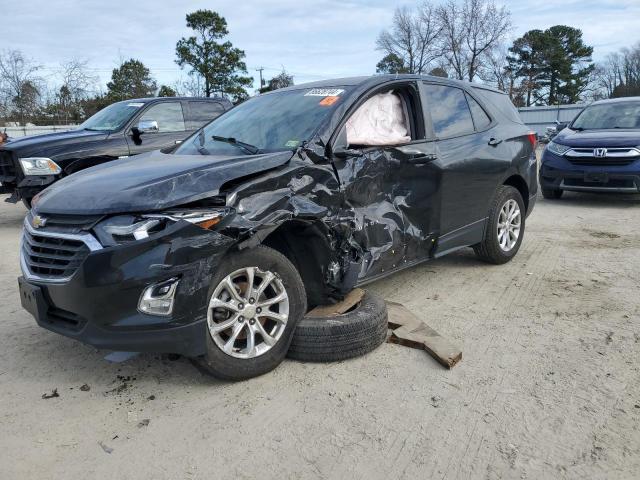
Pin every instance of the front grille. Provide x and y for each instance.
(7, 167)
(612, 156)
(72, 223)
(617, 162)
(50, 257)
(612, 183)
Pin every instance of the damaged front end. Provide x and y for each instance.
(129, 283)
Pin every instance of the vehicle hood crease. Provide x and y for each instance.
(151, 182)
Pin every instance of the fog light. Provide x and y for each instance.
(157, 299)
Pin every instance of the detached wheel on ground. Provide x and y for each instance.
(256, 299)
(505, 228)
(354, 333)
(551, 194)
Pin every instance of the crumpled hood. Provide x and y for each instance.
(598, 138)
(150, 182)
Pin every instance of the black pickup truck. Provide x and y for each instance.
(30, 164)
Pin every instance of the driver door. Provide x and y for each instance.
(389, 191)
(164, 126)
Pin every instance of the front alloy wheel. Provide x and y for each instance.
(248, 312)
(256, 299)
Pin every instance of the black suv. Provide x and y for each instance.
(287, 201)
(30, 164)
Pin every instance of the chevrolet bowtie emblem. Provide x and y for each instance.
(38, 221)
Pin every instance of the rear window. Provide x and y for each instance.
(501, 102)
(480, 118)
(449, 111)
(203, 112)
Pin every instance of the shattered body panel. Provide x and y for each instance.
(343, 217)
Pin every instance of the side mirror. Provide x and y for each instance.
(146, 126)
(344, 152)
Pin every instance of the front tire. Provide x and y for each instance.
(256, 299)
(505, 227)
(550, 194)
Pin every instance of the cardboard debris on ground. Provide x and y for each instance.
(352, 299)
(410, 331)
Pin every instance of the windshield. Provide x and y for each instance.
(112, 117)
(609, 115)
(267, 123)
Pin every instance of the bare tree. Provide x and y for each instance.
(471, 31)
(497, 71)
(413, 38)
(619, 73)
(19, 82)
(77, 83)
(77, 79)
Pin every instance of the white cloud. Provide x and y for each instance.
(322, 39)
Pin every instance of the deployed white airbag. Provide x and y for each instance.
(379, 121)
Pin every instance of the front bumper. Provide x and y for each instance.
(98, 305)
(557, 173)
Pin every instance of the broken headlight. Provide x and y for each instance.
(130, 228)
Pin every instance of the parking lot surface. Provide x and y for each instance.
(549, 384)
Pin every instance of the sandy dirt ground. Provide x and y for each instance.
(549, 384)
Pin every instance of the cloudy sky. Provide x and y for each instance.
(312, 40)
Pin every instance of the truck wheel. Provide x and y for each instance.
(256, 299)
(505, 227)
(329, 339)
(551, 194)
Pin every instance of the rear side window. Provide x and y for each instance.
(168, 115)
(203, 112)
(480, 118)
(449, 111)
(502, 102)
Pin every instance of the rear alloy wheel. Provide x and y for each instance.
(255, 303)
(551, 194)
(505, 227)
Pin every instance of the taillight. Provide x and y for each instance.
(533, 138)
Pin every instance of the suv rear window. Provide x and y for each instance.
(502, 102)
(449, 111)
(203, 112)
(480, 118)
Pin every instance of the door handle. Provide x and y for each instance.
(494, 142)
(421, 159)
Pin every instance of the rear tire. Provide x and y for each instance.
(246, 335)
(329, 339)
(550, 194)
(496, 248)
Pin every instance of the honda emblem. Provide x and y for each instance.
(600, 152)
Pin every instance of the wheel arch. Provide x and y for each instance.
(307, 245)
(519, 183)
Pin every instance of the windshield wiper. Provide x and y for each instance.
(578, 129)
(247, 147)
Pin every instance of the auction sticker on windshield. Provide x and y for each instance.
(137, 104)
(324, 92)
